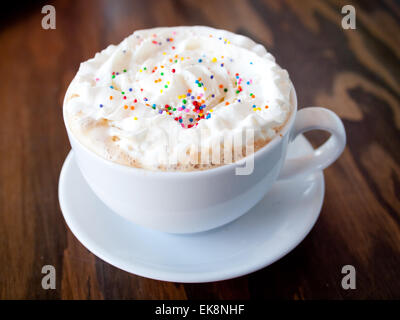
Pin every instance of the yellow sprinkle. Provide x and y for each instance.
(211, 110)
(182, 58)
(214, 59)
(161, 91)
(140, 70)
(164, 53)
(205, 89)
(135, 118)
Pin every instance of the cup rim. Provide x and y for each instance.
(194, 173)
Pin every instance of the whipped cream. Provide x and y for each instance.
(164, 92)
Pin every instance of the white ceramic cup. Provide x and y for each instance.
(186, 202)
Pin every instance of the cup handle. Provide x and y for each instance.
(315, 118)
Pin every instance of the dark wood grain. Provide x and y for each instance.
(356, 73)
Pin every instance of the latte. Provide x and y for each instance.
(163, 96)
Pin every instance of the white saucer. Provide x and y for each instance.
(263, 235)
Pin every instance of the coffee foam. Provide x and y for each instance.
(154, 137)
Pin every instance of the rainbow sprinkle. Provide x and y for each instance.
(192, 106)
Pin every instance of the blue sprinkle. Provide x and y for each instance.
(254, 105)
(239, 100)
(212, 77)
(200, 60)
(251, 62)
(180, 120)
(101, 106)
(160, 111)
(213, 95)
(188, 95)
(183, 107)
(191, 120)
(222, 64)
(111, 87)
(192, 97)
(130, 89)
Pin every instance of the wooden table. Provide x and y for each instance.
(355, 73)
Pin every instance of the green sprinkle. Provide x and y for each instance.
(144, 68)
(162, 73)
(174, 109)
(124, 70)
(184, 101)
(113, 76)
(122, 92)
(225, 89)
(165, 86)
